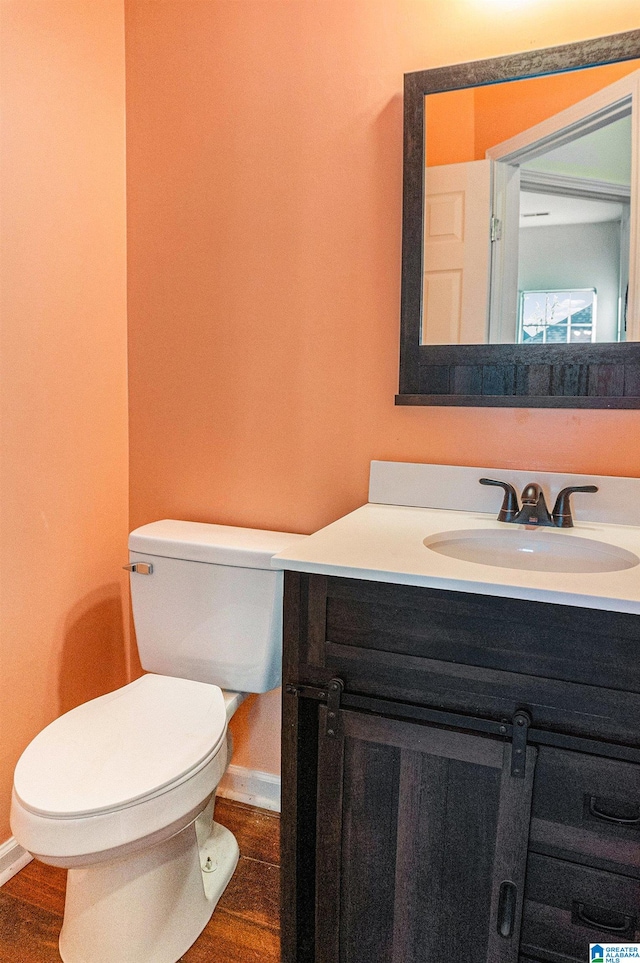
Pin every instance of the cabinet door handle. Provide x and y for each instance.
(586, 916)
(507, 908)
(611, 817)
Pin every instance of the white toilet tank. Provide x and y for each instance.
(210, 607)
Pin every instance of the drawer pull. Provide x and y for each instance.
(507, 908)
(594, 917)
(610, 817)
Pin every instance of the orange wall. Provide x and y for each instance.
(264, 198)
(264, 215)
(64, 472)
(450, 127)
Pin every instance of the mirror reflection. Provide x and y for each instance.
(530, 210)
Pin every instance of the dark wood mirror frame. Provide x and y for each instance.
(504, 375)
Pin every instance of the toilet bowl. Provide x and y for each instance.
(125, 823)
(121, 790)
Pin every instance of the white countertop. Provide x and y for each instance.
(384, 543)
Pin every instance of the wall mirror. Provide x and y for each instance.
(521, 230)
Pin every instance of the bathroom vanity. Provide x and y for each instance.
(461, 741)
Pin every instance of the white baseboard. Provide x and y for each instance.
(12, 858)
(251, 786)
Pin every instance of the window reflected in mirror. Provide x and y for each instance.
(557, 317)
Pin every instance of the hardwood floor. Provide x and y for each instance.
(245, 927)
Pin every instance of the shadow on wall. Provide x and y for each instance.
(93, 659)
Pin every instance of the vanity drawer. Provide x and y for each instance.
(568, 906)
(568, 643)
(587, 808)
(574, 669)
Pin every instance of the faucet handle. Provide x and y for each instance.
(562, 509)
(509, 508)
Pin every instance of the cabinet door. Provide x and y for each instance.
(421, 844)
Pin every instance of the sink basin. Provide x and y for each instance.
(537, 550)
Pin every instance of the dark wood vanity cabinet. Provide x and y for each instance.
(461, 776)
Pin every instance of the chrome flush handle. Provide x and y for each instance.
(141, 568)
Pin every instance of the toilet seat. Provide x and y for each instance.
(121, 749)
(184, 730)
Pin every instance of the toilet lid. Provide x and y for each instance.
(122, 747)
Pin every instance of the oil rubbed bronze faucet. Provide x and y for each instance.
(534, 509)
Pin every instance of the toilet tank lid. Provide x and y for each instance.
(217, 544)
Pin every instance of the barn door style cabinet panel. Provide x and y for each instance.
(421, 816)
(461, 776)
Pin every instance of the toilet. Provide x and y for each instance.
(121, 790)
